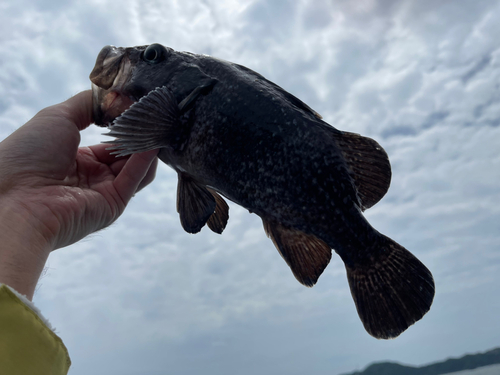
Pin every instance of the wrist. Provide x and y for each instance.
(23, 248)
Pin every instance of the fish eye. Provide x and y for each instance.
(154, 53)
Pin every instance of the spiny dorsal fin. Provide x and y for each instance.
(369, 164)
(306, 254)
(195, 204)
(291, 98)
(391, 292)
(218, 220)
(153, 122)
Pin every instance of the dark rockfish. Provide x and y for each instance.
(230, 132)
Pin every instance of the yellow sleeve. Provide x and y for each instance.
(27, 344)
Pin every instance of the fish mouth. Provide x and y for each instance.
(111, 73)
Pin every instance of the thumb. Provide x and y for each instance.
(78, 109)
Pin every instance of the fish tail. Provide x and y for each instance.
(392, 291)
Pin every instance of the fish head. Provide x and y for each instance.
(121, 76)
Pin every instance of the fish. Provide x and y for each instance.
(230, 133)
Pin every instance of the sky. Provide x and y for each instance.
(144, 297)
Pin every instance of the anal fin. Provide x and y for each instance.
(195, 204)
(306, 254)
(218, 220)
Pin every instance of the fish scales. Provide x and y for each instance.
(258, 157)
(257, 161)
(230, 132)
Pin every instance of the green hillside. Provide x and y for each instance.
(467, 362)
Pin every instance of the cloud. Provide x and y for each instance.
(419, 77)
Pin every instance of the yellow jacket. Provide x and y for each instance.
(27, 345)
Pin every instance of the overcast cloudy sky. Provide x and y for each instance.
(421, 77)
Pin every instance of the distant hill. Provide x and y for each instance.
(467, 362)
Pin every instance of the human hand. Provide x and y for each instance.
(53, 193)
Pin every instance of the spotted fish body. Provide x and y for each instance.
(229, 132)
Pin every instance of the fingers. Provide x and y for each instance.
(116, 164)
(137, 169)
(104, 155)
(150, 175)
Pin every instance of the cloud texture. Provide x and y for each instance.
(144, 297)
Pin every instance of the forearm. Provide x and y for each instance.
(23, 250)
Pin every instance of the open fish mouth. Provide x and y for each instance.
(109, 77)
(108, 105)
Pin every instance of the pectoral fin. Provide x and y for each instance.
(195, 204)
(306, 254)
(153, 122)
(218, 220)
(189, 100)
(189, 83)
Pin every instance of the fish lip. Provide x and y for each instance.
(107, 66)
(110, 76)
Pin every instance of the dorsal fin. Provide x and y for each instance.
(369, 164)
(291, 98)
(306, 254)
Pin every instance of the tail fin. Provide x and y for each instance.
(392, 292)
